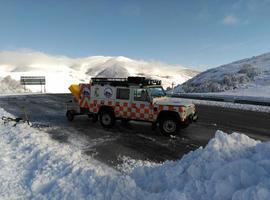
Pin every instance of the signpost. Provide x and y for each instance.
(34, 80)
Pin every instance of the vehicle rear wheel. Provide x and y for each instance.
(69, 115)
(169, 126)
(107, 118)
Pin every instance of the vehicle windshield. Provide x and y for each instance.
(156, 92)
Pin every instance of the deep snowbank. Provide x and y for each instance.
(33, 166)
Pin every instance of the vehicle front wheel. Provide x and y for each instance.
(169, 126)
(107, 118)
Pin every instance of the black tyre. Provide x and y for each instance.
(69, 115)
(107, 118)
(169, 126)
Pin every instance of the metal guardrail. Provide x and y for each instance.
(259, 103)
(231, 99)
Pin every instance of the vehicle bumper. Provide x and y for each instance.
(191, 118)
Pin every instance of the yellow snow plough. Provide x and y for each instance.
(75, 90)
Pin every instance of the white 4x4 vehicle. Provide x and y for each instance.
(134, 98)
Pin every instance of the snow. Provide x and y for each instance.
(245, 77)
(62, 71)
(9, 85)
(128, 164)
(229, 167)
(113, 71)
(33, 166)
(255, 91)
(256, 108)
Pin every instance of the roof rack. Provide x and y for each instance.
(110, 81)
(131, 80)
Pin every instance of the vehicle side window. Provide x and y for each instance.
(122, 93)
(140, 95)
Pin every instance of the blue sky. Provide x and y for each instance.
(201, 33)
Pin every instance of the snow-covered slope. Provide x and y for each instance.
(240, 76)
(61, 71)
(9, 85)
(33, 166)
(113, 71)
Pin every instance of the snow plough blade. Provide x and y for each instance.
(75, 90)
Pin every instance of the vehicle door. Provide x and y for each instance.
(141, 105)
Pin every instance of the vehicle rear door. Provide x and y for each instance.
(122, 103)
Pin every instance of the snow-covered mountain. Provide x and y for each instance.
(113, 71)
(242, 76)
(61, 71)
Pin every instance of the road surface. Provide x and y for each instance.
(134, 140)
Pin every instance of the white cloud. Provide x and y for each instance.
(230, 20)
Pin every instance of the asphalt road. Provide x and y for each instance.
(135, 140)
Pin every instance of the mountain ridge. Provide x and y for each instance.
(74, 70)
(242, 74)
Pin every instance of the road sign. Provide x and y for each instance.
(34, 80)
